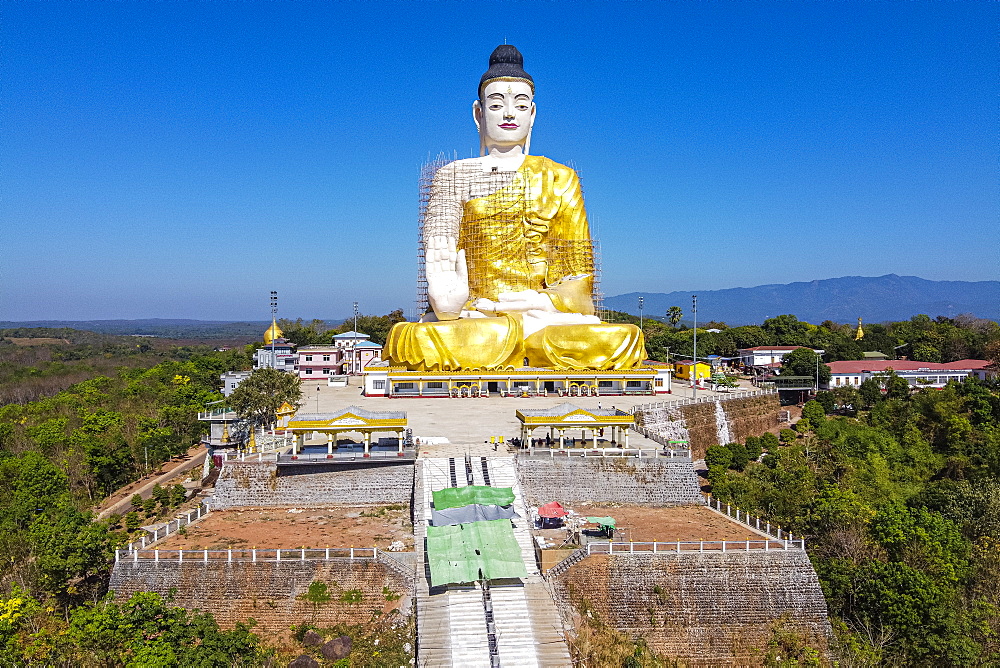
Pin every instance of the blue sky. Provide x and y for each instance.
(182, 159)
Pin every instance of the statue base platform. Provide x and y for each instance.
(399, 382)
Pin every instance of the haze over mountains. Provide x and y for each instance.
(876, 299)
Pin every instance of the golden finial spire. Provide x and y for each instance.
(860, 334)
(273, 332)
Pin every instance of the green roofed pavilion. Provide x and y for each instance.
(456, 497)
(462, 553)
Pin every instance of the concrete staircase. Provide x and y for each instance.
(452, 627)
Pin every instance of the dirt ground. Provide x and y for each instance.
(342, 526)
(644, 524)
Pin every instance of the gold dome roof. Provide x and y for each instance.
(273, 332)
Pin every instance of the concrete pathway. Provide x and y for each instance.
(453, 623)
(121, 500)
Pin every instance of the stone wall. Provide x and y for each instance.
(269, 592)
(700, 608)
(571, 480)
(264, 484)
(751, 416)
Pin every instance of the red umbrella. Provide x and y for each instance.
(552, 510)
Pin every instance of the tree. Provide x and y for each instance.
(769, 442)
(718, 455)
(302, 334)
(740, 456)
(787, 330)
(257, 399)
(814, 411)
(375, 326)
(803, 362)
(674, 315)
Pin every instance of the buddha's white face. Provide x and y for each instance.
(505, 114)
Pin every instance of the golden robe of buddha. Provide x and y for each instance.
(510, 261)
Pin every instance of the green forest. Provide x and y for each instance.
(63, 453)
(897, 493)
(920, 338)
(898, 497)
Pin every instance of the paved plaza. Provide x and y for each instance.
(468, 423)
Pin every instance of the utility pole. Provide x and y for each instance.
(670, 376)
(817, 371)
(274, 313)
(640, 312)
(355, 344)
(694, 311)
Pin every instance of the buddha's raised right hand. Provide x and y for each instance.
(447, 277)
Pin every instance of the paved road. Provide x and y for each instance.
(195, 457)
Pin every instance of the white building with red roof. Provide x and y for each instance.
(769, 356)
(852, 373)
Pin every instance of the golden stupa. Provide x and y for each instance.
(273, 333)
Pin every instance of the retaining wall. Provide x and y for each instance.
(571, 480)
(264, 484)
(751, 416)
(700, 609)
(269, 592)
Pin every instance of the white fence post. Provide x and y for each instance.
(205, 559)
(180, 556)
(156, 555)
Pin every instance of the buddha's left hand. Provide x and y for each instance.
(517, 302)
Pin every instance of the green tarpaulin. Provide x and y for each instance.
(467, 552)
(602, 521)
(456, 497)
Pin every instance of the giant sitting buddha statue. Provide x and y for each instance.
(509, 259)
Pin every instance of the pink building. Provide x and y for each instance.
(348, 355)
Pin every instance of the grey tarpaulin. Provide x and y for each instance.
(472, 513)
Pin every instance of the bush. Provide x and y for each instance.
(787, 436)
(814, 412)
(718, 455)
(177, 495)
(803, 425)
(827, 400)
(753, 447)
(132, 521)
(769, 442)
(716, 474)
(739, 455)
(160, 495)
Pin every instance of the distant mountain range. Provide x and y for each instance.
(844, 300)
(875, 299)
